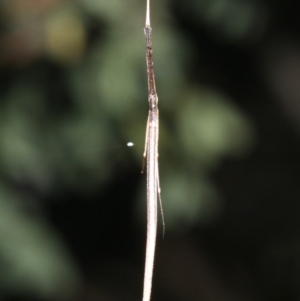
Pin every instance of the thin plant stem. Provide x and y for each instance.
(151, 157)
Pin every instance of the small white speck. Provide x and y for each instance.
(130, 144)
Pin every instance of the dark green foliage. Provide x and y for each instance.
(73, 92)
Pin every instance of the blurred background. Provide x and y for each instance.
(73, 93)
